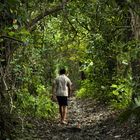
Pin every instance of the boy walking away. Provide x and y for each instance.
(61, 90)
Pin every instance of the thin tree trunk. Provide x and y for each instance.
(135, 63)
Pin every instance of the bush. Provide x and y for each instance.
(39, 105)
(86, 90)
(121, 94)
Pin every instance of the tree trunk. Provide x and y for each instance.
(135, 63)
(135, 22)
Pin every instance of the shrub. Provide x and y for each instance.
(85, 90)
(39, 105)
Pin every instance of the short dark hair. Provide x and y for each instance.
(62, 71)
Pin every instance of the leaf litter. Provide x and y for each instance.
(87, 120)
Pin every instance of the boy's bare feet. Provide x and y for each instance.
(64, 122)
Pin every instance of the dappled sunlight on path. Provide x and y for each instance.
(87, 120)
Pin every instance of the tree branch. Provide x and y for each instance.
(47, 12)
(11, 38)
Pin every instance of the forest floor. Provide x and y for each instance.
(88, 120)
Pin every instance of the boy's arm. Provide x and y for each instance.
(69, 89)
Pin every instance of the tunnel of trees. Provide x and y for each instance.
(98, 41)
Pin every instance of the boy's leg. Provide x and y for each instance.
(63, 108)
(61, 112)
(64, 113)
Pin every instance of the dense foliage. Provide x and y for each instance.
(97, 42)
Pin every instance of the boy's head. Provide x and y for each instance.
(62, 71)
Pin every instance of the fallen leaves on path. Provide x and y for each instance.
(87, 120)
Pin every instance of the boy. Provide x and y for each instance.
(61, 89)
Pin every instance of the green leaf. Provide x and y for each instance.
(114, 86)
(13, 2)
(11, 33)
(1, 39)
(1, 7)
(15, 26)
(137, 101)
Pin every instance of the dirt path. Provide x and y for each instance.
(87, 121)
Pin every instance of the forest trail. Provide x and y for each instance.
(87, 121)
